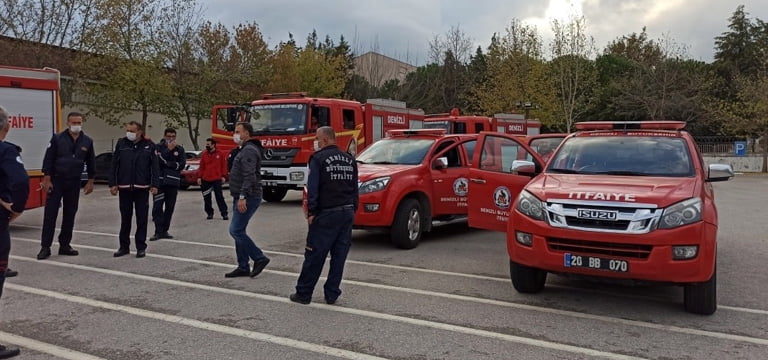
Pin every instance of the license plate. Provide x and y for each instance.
(592, 214)
(592, 262)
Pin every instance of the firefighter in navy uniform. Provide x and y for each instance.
(63, 164)
(332, 197)
(14, 191)
(172, 159)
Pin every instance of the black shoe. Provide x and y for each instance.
(225, 217)
(209, 217)
(141, 253)
(155, 237)
(45, 252)
(121, 252)
(330, 301)
(259, 266)
(68, 250)
(10, 273)
(295, 298)
(6, 352)
(236, 273)
(166, 235)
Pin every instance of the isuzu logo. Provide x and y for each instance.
(591, 214)
(268, 154)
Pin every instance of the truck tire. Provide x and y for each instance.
(408, 226)
(274, 193)
(526, 279)
(701, 298)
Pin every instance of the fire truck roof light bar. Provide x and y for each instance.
(284, 95)
(630, 125)
(420, 132)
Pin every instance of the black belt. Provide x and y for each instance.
(339, 208)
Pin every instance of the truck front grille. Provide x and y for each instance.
(626, 218)
(635, 251)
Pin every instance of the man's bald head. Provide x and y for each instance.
(326, 133)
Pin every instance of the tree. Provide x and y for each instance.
(573, 72)
(128, 70)
(51, 22)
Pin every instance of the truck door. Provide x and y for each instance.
(450, 183)
(495, 179)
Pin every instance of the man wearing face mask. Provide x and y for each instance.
(245, 187)
(172, 159)
(135, 174)
(213, 172)
(63, 164)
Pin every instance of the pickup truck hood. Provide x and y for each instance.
(661, 191)
(367, 172)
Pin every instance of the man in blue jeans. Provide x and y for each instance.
(245, 187)
(332, 197)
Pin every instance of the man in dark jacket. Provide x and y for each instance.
(14, 191)
(213, 170)
(332, 197)
(245, 187)
(63, 164)
(135, 174)
(172, 160)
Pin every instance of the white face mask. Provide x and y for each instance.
(317, 145)
(76, 128)
(130, 136)
(236, 138)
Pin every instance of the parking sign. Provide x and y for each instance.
(740, 147)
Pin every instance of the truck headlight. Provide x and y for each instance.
(530, 206)
(374, 185)
(192, 167)
(683, 213)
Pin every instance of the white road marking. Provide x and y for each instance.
(479, 300)
(365, 313)
(322, 349)
(42, 347)
(428, 271)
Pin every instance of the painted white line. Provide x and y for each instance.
(364, 313)
(42, 347)
(485, 301)
(428, 271)
(322, 349)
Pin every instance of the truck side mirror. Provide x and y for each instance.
(523, 167)
(719, 172)
(440, 163)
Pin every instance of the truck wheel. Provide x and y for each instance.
(701, 298)
(407, 228)
(526, 279)
(274, 193)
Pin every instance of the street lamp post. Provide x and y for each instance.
(526, 106)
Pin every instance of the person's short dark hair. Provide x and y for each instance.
(75, 114)
(170, 130)
(212, 140)
(248, 127)
(137, 124)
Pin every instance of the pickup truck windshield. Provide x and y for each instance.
(623, 155)
(396, 151)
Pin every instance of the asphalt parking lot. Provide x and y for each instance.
(450, 298)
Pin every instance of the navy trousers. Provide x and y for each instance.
(330, 232)
(5, 245)
(129, 200)
(215, 187)
(66, 192)
(163, 205)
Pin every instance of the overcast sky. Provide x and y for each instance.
(402, 28)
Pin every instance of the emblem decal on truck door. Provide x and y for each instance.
(461, 186)
(501, 197)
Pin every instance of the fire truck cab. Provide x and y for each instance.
(618, 200)
(286, 124)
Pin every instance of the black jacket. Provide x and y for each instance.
(245, 177)
(65, 156)
(171, 163)
(14, 181)
(332, 180)
(134, 165)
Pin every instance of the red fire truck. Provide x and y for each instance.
(455, 123)
(286, 123)
(619, 200)
(31, 97)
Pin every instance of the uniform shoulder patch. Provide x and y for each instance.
(18, 160)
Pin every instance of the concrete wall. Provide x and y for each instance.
(739, 163)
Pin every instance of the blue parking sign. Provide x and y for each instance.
(740, 147)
